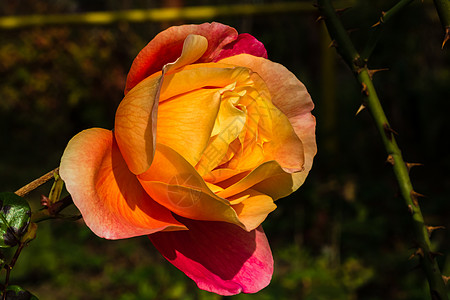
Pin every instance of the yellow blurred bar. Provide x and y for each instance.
(157, 15)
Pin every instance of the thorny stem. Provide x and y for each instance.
(379, 26)
(35, 183)
(443, 9)
(348, 52)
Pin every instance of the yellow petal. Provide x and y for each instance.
(285, 146)
(193, 48)
(252, 208)
(135, 124)
(175, 184)
(185, 122)
(231, 121)
(291, 97)
(262, 172)
(197, 76)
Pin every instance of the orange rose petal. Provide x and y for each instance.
(289, 95)
(185, 123)
(167, 46)
(281, 185)
(252, 208)
(231, 121)
(197, 76)
(305, 125)
(175, 184)
(193, 48)
(292, 98)
(248, 159)
(135, 124)
(214, 188)
(262, 172)
(285, 146)
(220, 174)
(108, 195)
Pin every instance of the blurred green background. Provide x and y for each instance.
(344, 235)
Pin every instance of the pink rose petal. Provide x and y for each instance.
(166, 47)
(245, 43)
(220, 257)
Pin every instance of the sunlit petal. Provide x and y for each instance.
(262, 172)
(292, 98)
(252, 207)
(108, 195)
(220, 257)
(167, 46)
(135, 124)
(185, 122)
(175, 184)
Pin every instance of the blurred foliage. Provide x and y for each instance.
(343, 235)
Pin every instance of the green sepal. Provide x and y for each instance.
(15, 216)
(55, 192)
(14, 292)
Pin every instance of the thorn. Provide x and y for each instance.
(390, 159)
(445, 278)
(360, 109)
(412, 165)
(414, 196)
(45, 201)
(410, 209)
(376, 24)
(419, 251)
(446, 37)
(332, 44)
(430, 229)
(388, 131)
(381, 21)
(371, 72)
(320, 18)
(364, 90)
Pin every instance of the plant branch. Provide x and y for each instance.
(443, 9)
(379, 26)
(350, 55)
(341, 40)
(10, 266)
(53, 211)
(35, 183)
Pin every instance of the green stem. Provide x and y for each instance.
(443, 9)
(379, 26)
(341, 40)
(346, 49)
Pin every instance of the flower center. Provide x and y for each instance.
(242, 127)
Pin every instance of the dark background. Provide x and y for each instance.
(345, 234)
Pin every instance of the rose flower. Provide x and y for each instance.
(209, 134)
